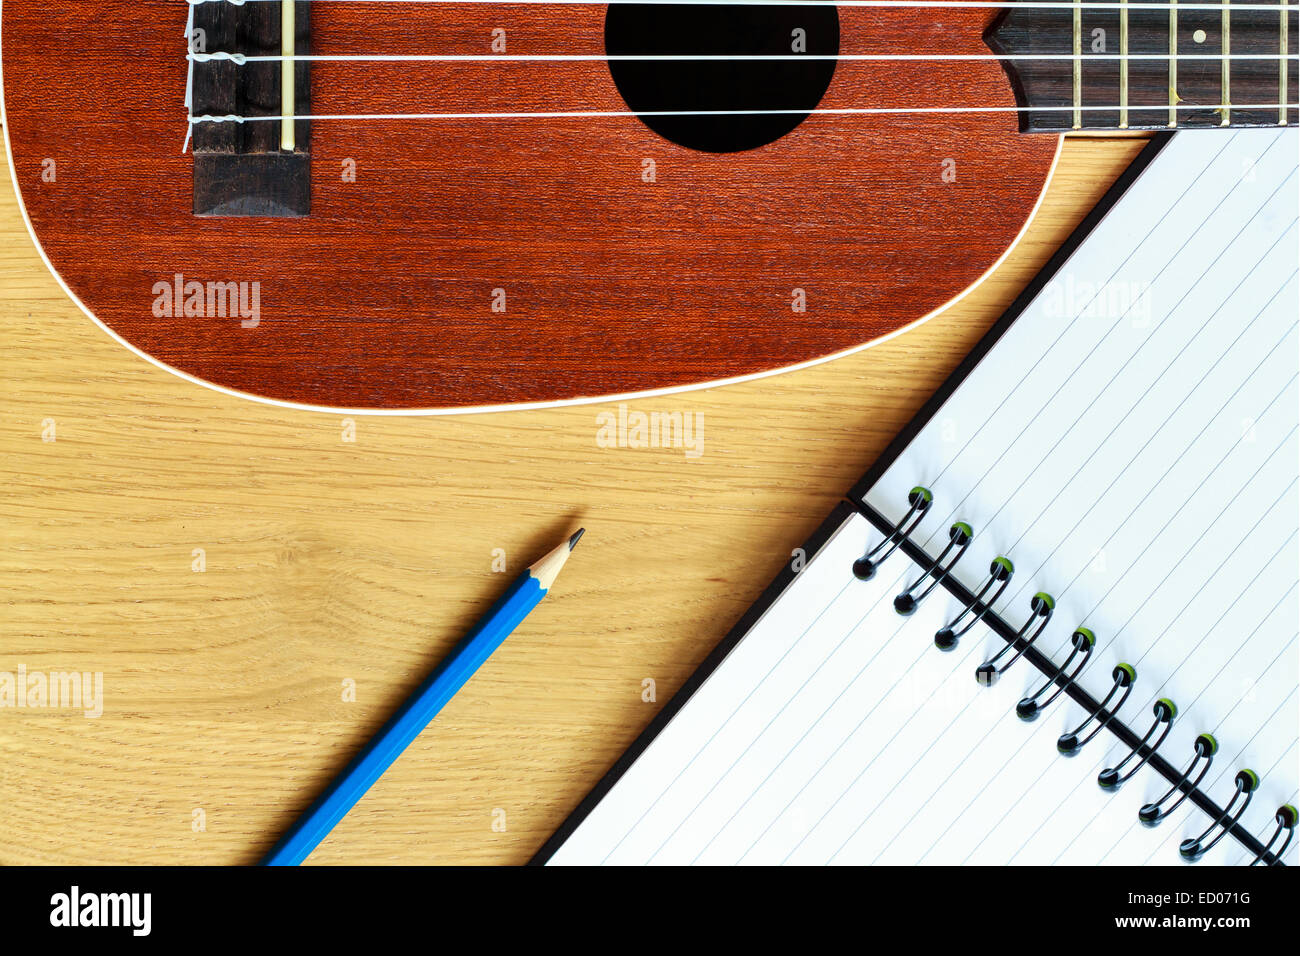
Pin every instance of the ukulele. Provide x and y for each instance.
(466, 204)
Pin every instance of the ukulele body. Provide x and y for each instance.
(481, 263)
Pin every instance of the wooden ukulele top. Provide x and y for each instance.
(505, 259)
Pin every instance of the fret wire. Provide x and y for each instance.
(1123, 67)
(1225, 77)
(1078, 66)
(1173, 63)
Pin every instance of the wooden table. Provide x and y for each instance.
(259, 592)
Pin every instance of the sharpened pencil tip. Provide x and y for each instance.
(577, 536)
(549, 566)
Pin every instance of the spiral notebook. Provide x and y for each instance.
(1092, 531)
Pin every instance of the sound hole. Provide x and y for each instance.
(655, 86)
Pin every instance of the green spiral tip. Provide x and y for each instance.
(1005, 564)
(922, 493)
(1130, 670)
(1045, 598)
(1169, 705)
(1249, 779)
(1211, 745)
(961, 528)
(1086, 634)
(1288, 815)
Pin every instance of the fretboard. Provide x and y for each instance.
(1152, 65)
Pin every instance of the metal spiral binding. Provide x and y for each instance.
(1000, 571)
(920, 499)
(1041, 606)
(1165, 711)
(1124, 677)
(1286, 818)
(1082, 641)
(1247, 783)
(1204, 749)
(959, 537)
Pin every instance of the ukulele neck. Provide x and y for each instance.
(1152, 65)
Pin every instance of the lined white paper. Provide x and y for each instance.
(1131, 444)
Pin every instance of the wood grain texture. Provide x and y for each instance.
(329, 561)
(383, 296)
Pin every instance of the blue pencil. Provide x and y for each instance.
(422, 706)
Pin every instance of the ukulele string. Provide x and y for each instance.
(839, 111)
(1070, 5)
